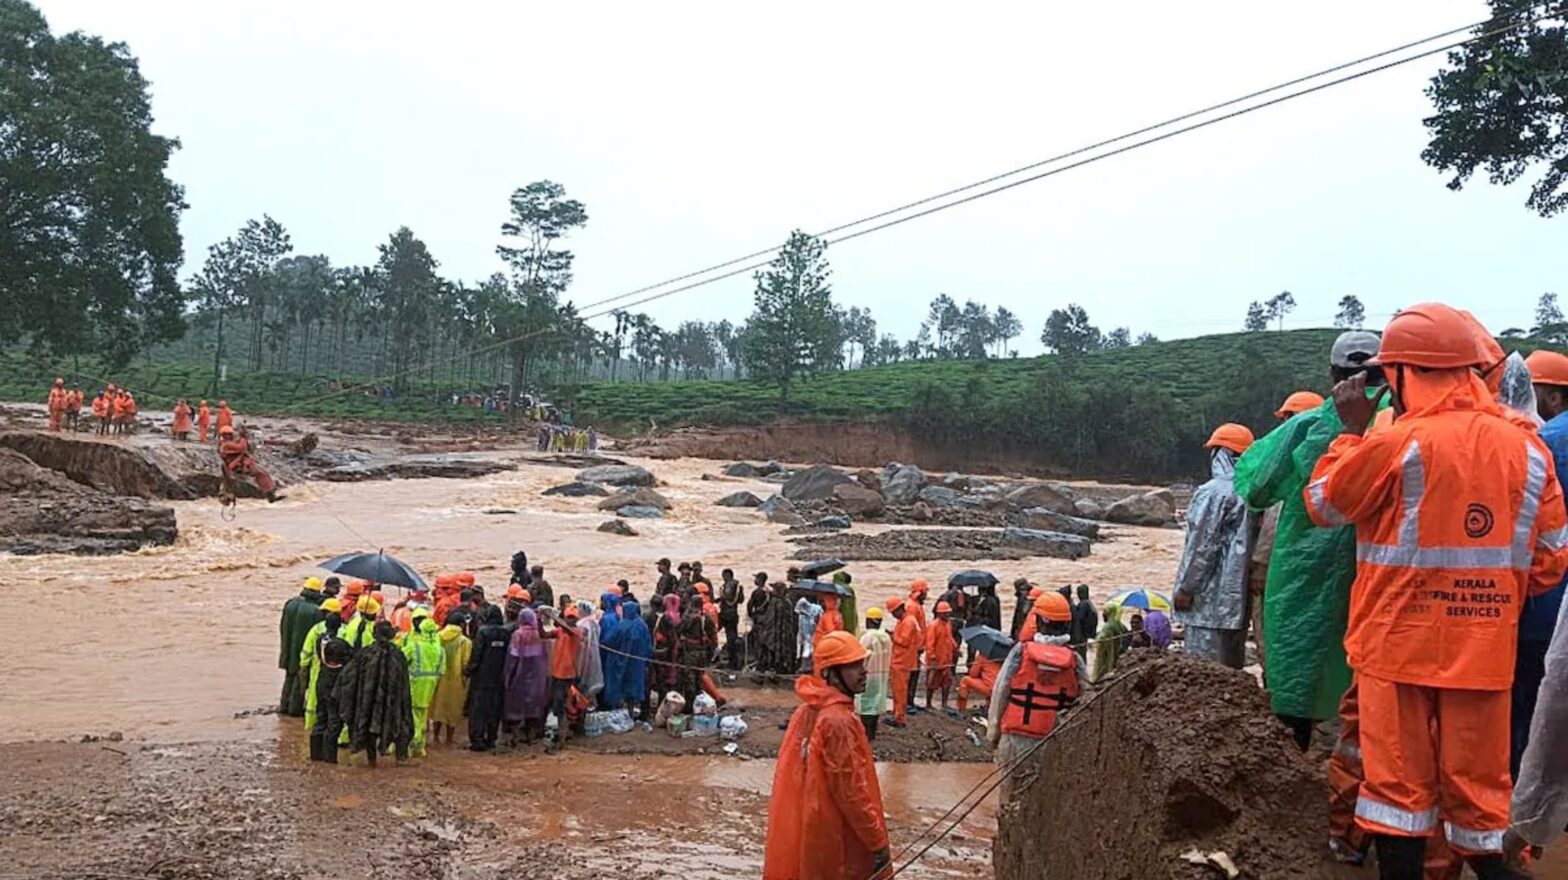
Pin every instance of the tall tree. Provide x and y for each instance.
(792, 332)
(1069, 333)
(1257, 318)
(1549, 323)
(89, 220)
(1351, 315)
(407, 284)
(1502, 104)
(264, 243)
(1279, 305)
(1145, 338)
(1121, 337)
(541, 216)
(976, 331)
(1008, 328)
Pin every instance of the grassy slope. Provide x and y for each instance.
(1187, 368)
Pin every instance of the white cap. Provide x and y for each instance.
(1354, 348)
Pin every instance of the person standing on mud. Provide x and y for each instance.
(987, 610)
(872, 702)
(1021, 605)
(101, 413)
(300, 615)
(731, 596)
(941, 656)
(446, 710)
(375, 698)
(426, 667)
(1038, 680)
(667, 583)
(825, 816)
(539, 588)
(487, 680)
(73, 408)
(57, 401)
(775, 631)
(906, 658)
(181, 429)
(563, 668)
(325, 715)
(1210, 595)
(203, 422)
(915, 607)
(309, 662)
(1086, 622)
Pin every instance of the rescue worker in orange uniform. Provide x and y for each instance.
(225, 417)
(234, 449)
(906, 658)
(124, 412)
(979, 679)
(58, 397)
(203, 421)
(101, 413)
(1459, 517)
(915, 606)
(182, 421)
(73, 408)
(832, 620)
(1039, 678)
(825, 819)
(941, 656)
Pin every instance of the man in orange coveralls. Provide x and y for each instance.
(1459, 516)
(58, 398)
(825, 814)
(234, 449)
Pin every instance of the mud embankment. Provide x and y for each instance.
(43, 512)
(1176, 754)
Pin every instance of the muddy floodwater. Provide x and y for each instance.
(168, 654)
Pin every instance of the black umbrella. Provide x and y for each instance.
(991, 642)
(378, 568)
(826, 588)
(820, 567)
(971, 577)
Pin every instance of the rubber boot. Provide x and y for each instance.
(1492, 867)
(318, 747)
(1400, 858)
(329, 749)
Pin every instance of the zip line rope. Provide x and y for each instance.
(752, 266)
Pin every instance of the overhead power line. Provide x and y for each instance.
(751, 262)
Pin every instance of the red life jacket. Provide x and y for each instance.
(1046, 682)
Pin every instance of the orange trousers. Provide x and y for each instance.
(248, 465)
(56, 417)
(966, 686)
(900, 694)
(710, 688)
(1434, 753)
(1345, 774)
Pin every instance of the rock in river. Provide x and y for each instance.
(739, 499)
(901, 483)
(1044, 495)
(1057, 544)
(640, 511)
(1157, 508)
(618, 527)
(814, 483)
(576, 489)
(617, 475)
(640, 497)
(833, 522)
(857, 500)
(1049, 520)
(778, 510)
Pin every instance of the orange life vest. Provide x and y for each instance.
(1046, 682)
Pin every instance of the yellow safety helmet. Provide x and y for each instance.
(369, 606)
(874, 613)
(332, 606)
(313, 584)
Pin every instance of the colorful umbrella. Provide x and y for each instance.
(1141, 598)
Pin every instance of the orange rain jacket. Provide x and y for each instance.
(941, 647)
(825, 815)
(100, 407)
(907, 643)
(225, 418)
(203, 421)
(832, 620)
(1458, 516)
(182, 418)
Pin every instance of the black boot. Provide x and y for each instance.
(1492, 867)
(1400, 858)
(318, 749)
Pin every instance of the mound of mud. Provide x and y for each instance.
(1177, 753)
(43, 512)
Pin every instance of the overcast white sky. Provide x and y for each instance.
(696, 132)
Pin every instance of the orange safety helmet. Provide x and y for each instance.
(525, 595)
(514, 591)
(895, 603)
(1035, 593)
(919, 588)
(223, 403)
(1430, 335)
(943, 608)
(1230, 436)
(1487, 349)
(1053, 607)
(1299, 402)
(1548, 368)
(465, 578)
(837, 648)
(226, 430)
(59, 380)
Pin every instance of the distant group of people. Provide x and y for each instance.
(555, 437)
(113, 409)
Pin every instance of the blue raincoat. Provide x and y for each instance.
(636, 640)
(611, 626)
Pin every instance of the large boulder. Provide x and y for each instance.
(857, 500)
(870, 479)
(739, 499)
(815, 483)
(1157, 508)
(576, 489)
(618, 527)
(832, 522)
(770, 468)
(1050, 521)
(901, 483)
(1046, 495)
(938, 496)
(640, 511)
(1088, 508)
(617, 475)
(778, 510)
(742, 469)
(641, 497)
(1042, 543)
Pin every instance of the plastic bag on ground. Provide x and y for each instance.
(705, 705)
(678, 724)
(705, 725)
(732, 727)
(617, 721)
(673, 704)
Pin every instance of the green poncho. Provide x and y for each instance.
(1307, 598)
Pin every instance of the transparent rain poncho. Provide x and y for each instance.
(1540, 805)
(1218, 548)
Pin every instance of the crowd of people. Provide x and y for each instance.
(556, 437)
